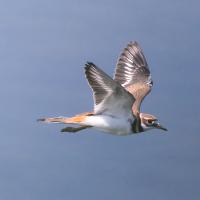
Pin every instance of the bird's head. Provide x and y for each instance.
(150, 122)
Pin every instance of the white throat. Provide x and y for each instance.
(146, 128)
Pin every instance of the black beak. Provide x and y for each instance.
(157, 125)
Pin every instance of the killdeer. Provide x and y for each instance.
(117, 101)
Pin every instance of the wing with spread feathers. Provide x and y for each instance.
(133, 73)
(109, 96)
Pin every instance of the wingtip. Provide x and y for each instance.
(133, 43)
(89, 64)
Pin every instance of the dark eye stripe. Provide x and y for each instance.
(150, 121)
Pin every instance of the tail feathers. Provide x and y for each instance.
(78, 119)
(52, 120)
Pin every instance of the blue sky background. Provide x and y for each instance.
(44, 45)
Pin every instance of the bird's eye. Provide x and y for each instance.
(150, 121)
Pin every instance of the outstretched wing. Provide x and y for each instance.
(132, 72)
(109, 96)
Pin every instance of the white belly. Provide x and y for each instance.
(117, 126)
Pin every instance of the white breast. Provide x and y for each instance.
(113, 125)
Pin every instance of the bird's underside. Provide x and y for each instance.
(105, 123)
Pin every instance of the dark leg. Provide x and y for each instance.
(74, 129)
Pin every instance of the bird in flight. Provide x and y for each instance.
(117, 101)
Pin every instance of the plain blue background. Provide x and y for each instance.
(44, 45)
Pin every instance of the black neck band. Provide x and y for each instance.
(136, 126)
